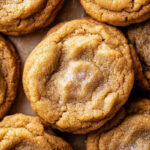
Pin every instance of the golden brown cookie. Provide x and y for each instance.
(132, 133)
(25, 16)
(21, 132)
(9, 75)
(118, 12)
(139, 36)
(79, 76)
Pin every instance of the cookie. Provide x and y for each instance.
(21, 132)
(130, 133)
(116, 12)
(139, 36)
(9, 75)
(22, 17)
(79, 76)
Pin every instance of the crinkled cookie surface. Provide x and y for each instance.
(21, 132)
(139, 36)
(130, 133)
(117, 12)
(79, 76)
(9, 75)
(24, 16)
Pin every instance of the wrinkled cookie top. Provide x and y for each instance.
(139, 36)
(24, 16)
(9, 75)
(132, 133)
(117, 12)
(139, 107)
(80, 74)
(125, 5)
(20, 132)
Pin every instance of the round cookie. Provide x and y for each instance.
(130, 133)
(139, 36)
(79, 76)
(21, 132)
(117, 12)
(25, 16)
(9, 75)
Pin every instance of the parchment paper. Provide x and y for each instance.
(25, 44)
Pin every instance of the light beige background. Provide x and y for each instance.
(25, 44)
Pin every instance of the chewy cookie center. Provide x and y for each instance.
(87, 66)
(117, 5)
(86, 77)
(79, 81)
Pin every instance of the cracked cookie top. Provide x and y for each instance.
(117, 12)
(139, 36)
(21, 132)
(133, 132)
(9, 75)
(79, 75)
(25, 16)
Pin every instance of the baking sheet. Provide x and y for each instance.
(25, 44)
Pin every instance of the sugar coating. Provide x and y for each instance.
(86, 75)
